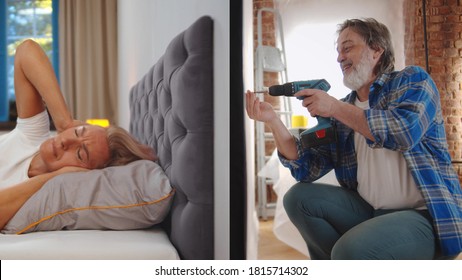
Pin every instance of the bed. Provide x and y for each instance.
(171, 110)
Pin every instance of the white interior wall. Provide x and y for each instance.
(310, 35)
(252, 217)
(146, 27)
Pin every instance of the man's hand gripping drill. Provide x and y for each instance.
(324, 132)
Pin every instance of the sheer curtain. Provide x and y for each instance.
(88, 57)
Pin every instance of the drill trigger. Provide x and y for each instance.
(321, 133)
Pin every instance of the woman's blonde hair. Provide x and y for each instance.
(123, 148)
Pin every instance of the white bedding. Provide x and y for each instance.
(148, 244)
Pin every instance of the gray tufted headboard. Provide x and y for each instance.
(171, 110)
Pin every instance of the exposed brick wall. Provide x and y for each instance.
(269, 78)
(444, 41)
(268, 34)
(268, 39)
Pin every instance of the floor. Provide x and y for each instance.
(271, 248)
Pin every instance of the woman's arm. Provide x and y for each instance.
(13, 198)
(35, 84)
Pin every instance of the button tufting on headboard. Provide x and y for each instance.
(172, 111)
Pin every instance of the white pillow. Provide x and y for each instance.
(134, 196)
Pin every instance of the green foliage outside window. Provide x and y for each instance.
(27, 19)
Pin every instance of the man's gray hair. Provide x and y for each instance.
(377, 36)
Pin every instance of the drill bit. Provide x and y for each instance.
(263, 90)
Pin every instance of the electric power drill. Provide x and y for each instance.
(323, 133)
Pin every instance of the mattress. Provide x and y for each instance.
(145, 244)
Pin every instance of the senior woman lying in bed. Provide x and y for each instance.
(30, 157)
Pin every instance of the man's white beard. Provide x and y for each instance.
(360, 73)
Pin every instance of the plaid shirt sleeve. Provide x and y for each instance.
(410, 108)
(406, 116)
(311, 164)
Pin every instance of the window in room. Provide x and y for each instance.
(20, 20)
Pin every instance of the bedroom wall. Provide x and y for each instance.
(146, 27)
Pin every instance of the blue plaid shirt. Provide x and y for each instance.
(404, 115)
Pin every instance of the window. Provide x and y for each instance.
(23, 19)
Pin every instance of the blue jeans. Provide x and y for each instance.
(338, 224)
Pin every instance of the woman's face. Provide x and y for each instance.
(82, 146)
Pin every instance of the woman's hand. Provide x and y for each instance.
(258, 110)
